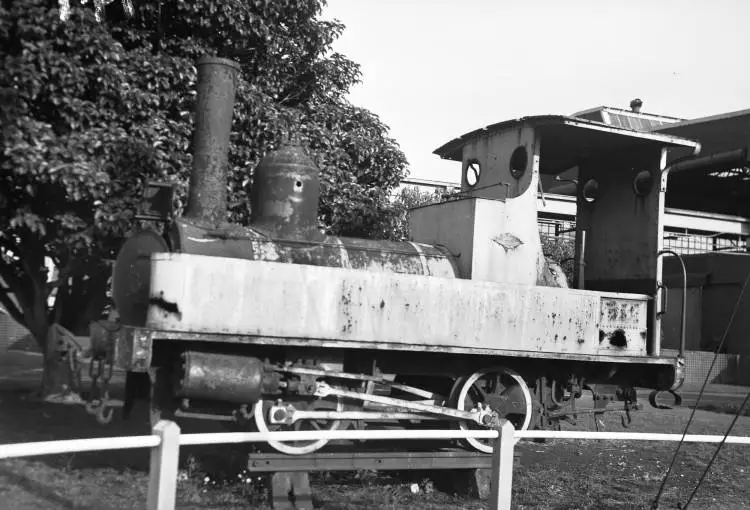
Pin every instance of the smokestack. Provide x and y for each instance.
(207, 194)
(635, 105)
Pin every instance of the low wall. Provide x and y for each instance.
(10, 331)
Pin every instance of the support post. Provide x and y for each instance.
(291, 491)
(162, 483)
(502, 467)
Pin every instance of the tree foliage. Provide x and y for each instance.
(91, 111)
(561, 251)
(407, 198)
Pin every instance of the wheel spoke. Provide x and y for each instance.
(297, 447)
(486, 387)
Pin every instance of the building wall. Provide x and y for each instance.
(715, 282)
(10, 330)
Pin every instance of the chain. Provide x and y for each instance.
(95, 372)
(98, 404)
(106, 376)
(74, 372)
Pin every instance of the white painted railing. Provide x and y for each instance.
(166, 441)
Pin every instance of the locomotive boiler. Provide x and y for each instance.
(276, 325)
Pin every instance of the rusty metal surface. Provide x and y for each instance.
(470, 228)
(207, 195)
(284, 204)
(623, 323)
(574, 134)
(493, 224)
(230, 378)
(501, 205)
(253, 340)
(381, 459)
(133, 348)
(285, 193)
(132, 273)
(298, 248)
(624, 230)
(213, 295)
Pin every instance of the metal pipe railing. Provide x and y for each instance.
(167, 439)
(684, 297)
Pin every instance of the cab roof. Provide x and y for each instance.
(565, 139)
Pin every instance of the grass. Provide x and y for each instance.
(724, 408)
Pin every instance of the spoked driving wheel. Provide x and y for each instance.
(263, 423)
(503, 390)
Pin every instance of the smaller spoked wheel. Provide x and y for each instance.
(263, 423)
(503, 390)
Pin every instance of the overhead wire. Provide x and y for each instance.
(655, 504)
(718, 448)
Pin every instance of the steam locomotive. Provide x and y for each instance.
(277, 326)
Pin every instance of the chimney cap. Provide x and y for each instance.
(636, 104)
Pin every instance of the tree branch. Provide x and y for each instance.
(13, 281)
(62, 277)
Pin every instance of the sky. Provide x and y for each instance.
(433, 70)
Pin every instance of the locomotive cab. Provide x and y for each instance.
(620, 204)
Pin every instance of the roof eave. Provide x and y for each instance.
(452, 149)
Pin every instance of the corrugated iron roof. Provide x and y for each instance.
(627, 119)
(612, 109)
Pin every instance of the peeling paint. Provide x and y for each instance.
(618, 339)
(331, 304)
(166, 307)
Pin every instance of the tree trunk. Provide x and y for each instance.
(82, 302)
(53, 375)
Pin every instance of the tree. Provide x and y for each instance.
(560, 251)
(92, 109)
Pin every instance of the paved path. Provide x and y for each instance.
(20, 367)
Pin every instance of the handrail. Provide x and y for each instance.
(8, 451)
(131, 442)
(684, 297)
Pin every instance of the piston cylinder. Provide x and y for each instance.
(226, 377)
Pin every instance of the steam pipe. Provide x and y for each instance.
(721, 159)
(684, 298)
(718, 160)
(207, 195)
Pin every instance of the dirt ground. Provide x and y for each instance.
(563, 474)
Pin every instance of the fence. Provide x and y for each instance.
(733, 369)
(683, 241)
(166, 440)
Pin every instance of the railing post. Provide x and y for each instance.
(162, 483)
(502, 468)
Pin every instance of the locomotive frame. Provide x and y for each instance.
(277, 325)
